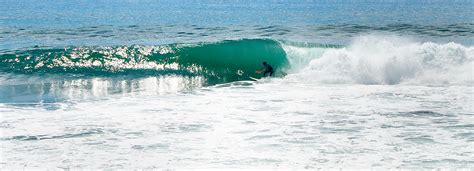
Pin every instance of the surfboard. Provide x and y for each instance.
(252, 78)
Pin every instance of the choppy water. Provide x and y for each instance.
(156, 84)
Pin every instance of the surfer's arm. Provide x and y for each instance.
(261, 70)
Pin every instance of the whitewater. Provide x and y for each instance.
(354, 87)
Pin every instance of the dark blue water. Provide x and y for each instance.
(67, 14)
(47, 23)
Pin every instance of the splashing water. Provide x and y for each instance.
(392, 60)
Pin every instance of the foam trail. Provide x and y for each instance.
(392, 60)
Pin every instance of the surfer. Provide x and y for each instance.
(266, 69)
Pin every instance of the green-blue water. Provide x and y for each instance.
(218, 62)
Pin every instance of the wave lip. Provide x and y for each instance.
(218, 62)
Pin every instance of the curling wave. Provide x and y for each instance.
(217, 62)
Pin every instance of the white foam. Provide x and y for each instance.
(376, 59)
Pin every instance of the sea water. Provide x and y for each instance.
(166, 84)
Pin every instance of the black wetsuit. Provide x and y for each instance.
(267, 69)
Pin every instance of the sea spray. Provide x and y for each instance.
(376, 59)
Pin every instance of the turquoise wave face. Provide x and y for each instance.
(217, 62)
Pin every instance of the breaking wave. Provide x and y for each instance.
(386, 60)
(371, 59)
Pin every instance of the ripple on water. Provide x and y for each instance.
(258, 137)
(420, 139)
(464, 126)
(468, 136)
(184, 128)
(431, 164)
(417, 114)
(45, 137)
(151, 146)
(328, 130)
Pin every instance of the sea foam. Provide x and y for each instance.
(388, 60)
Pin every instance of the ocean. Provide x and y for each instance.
(142, 84)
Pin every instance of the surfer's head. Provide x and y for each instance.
(264, 63)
